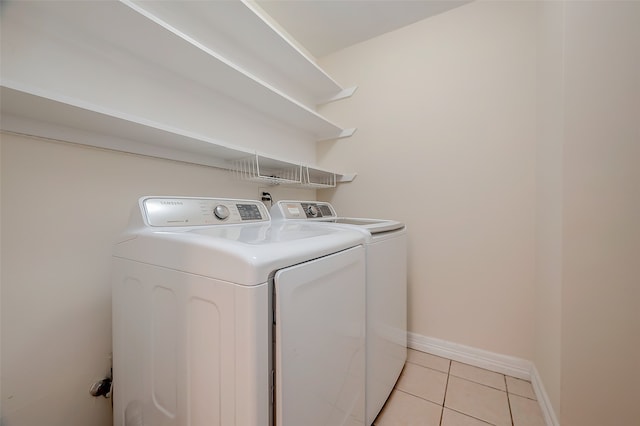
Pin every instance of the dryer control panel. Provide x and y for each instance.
(188, 211)
(303, 210)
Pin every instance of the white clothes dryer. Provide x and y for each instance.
(386, 293)
(222, 318)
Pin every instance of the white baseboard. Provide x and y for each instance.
(504, 364)
(543, 399)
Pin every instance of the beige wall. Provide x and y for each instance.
(446, 118)
(514, 128)
(549, 202)
(588, 326)
(601, 231)
(62, 208)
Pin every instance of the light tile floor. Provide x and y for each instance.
(434, 391)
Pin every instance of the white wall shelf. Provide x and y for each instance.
(243, 33)
(228, 51)
(32, 112)
(137, 30)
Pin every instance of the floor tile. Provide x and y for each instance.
(478, 375)
(520, 387)
(428, 360)
(525, 411)
(423, 382)
(403, 409)
(479, 401)
(453, 418)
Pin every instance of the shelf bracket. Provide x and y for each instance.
(347, 177)
(343, 94)
(345, 133)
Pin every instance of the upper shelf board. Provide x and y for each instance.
(242, 32)
(126, 27)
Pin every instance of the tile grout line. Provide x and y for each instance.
(416, 396)
(517, 394)
(470, 416)
(429, 368)
(506, 386)
(520, 395)
(480, 383)
(444, 397)
(476, 380)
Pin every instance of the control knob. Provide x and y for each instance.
(312, 211)
(221, 211)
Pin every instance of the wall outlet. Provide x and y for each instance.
(264, 195)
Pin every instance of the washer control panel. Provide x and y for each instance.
(303, 210)
(188, 211)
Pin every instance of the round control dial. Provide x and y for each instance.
(312, 211)
(221, 212)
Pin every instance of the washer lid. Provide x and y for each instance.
(319, 211)
(375, 226)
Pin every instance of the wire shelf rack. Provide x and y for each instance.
(267, 170)
(317, 179)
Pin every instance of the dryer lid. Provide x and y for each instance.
(240, 251)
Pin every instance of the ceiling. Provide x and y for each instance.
(326, 26)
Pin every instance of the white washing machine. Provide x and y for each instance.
(386, 253)
(222, 318)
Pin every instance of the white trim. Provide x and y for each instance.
(543, 399)
(504, 364)
(511, 366)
